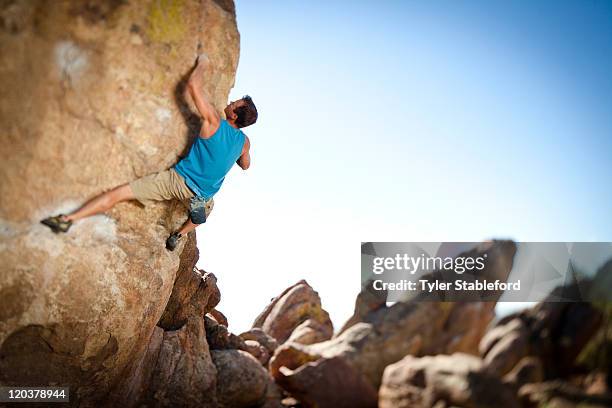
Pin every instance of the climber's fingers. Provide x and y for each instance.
(203, 58)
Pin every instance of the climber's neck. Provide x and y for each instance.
(232, 123)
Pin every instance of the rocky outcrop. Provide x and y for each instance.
(365, 349)
(297, 308)
(368, 301)
(190, 297)
(305, 383)
(379, 336)
(194, 292)
(199, 364)
(184, 373)
(92, 98)
(218, 317)
(466, 324)
(443, 381)
(553, 332)
(529, 360)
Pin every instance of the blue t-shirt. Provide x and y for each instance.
(209, 160)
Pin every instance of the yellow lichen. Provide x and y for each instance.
(165, 22)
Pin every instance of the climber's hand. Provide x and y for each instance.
(202, 59)
(197, 75)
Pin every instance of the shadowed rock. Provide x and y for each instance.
(184, 374)
(195, 293)
(456, 380)
(219, 338)
(343, 380)
(241, 381)
(528, 370)
(554, 332)
(560, 394)
(176, 370)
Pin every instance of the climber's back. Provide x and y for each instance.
(210, 159)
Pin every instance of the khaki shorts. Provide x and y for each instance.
(165, 185)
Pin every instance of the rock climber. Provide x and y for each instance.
(197, 177)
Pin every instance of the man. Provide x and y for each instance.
(197, 177)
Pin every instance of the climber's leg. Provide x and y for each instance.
(199, 210)
(98, 204)
(102, 202)
(175, 237)
(187, 227)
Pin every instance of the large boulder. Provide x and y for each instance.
(297, 307)
(241, 382)
(92, 98)
(343, 380)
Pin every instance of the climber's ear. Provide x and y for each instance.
(232, 114)
(229, 110)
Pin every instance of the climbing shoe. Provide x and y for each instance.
(57, 223)
(172, 241)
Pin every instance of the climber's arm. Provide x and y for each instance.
(206, 110)
(203, 105)
(244, 161)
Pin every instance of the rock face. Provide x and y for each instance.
(184, 373)
(92, 98)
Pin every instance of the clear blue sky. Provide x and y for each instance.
(410, 121)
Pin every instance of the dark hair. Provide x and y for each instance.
(247, 113)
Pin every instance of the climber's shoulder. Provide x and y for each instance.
(210, 127)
